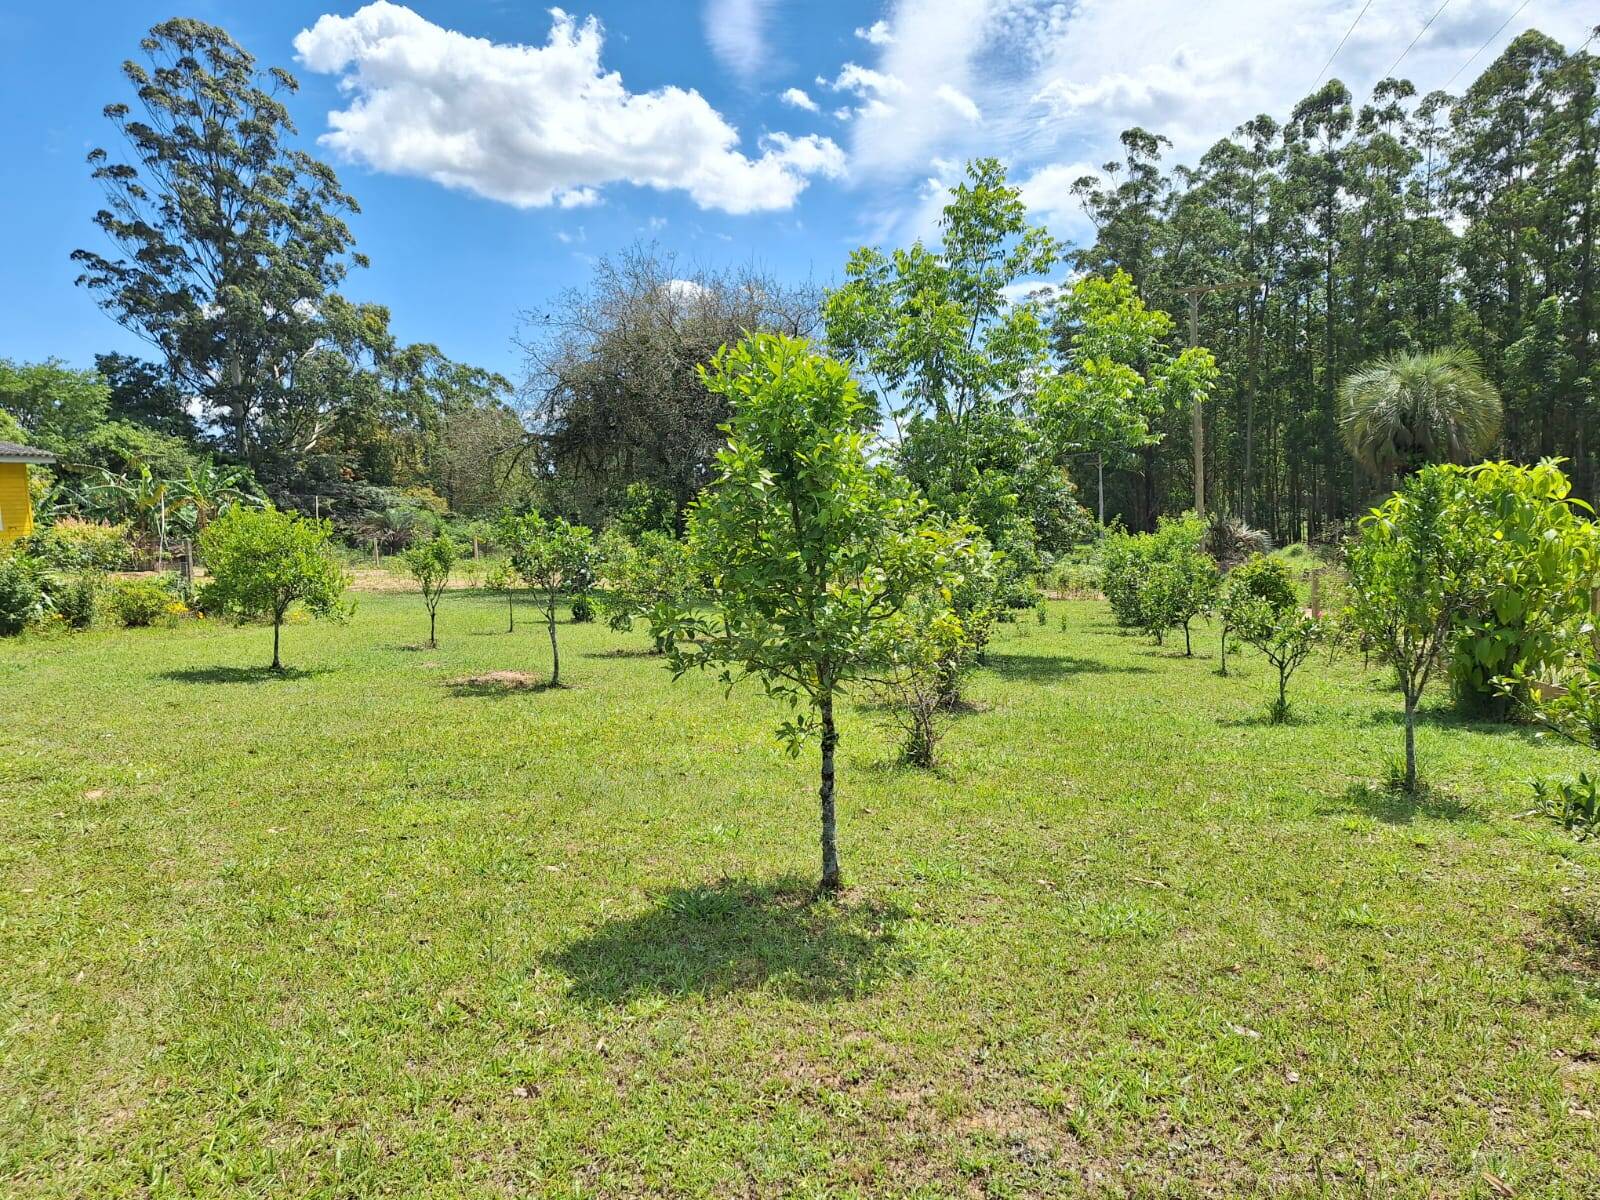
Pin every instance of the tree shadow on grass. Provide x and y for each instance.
(239, 674)
(733, 936)
(1041, 668)
(625, 652)
(1449, 718)
(1396, 806)
(1566, 947)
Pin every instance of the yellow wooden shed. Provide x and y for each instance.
(16, 506)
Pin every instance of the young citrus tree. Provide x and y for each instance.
(547, 553)
(503, 577)
(811, 547)
(430, 564)
(1285, 636)
(1414, 572)
(264, 561)
(1260, 578)
(643, 578)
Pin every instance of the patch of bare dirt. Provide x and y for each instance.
(505, 681)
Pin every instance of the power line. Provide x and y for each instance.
(1342, 41)
(1390, 72)
(1491, 38)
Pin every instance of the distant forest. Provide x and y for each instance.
(1394, 223)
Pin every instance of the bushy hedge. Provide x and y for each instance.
(74, 545)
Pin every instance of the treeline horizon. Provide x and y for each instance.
(1356, 230)
(1401, 222)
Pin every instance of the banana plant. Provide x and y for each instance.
(208, 491)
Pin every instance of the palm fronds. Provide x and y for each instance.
(1408, 410)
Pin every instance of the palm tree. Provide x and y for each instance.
(1405, 411)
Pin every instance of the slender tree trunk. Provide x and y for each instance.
(1224, 650)
(433, 637)
(1188, 650)
(1411, 741)
(830, 846)
(555, 650)
(511, 613)
(277, 624)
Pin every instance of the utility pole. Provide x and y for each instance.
(1196, 420)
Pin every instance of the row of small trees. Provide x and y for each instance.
(1487, 572)
(814, 569)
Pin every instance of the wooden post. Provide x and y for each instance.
(376, 561)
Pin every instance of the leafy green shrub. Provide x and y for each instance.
(1283, 634)
(74, 545)
(582, 609)
(20, 595)
(1128, 563)
(1261, 579)
(75, 597)
(1539, 556)
(430, 564)
(137, 603)
(642, 577)
(1176, 591)
(1414, 568)
(503, 578)
(264, 561)
(1572, 804)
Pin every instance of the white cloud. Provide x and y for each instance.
(537, 125)
(1057, 81)
(877, 33)
(737, 31)
(963, 104)
(864, 81)
(1048, 194)
(797, 98)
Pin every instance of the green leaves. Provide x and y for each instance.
(228, 241)
(263, 561)
(810, 546)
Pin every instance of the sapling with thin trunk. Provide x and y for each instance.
(1413, 573)
(430, 564)
(811, 545)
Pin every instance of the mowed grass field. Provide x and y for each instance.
(359, 932)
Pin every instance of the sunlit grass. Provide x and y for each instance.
(367, 930)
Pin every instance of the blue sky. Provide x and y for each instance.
(498, 146)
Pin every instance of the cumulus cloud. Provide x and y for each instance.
(864, 81)
(1056, 81)
(877, 33)
(797, 98)
(537, 125)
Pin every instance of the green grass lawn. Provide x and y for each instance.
(360, 932)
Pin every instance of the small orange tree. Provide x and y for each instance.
(812, 548)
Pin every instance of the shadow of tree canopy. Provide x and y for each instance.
(1039, 668)
(737, 935)
(1398, 807)
(239, 674)
(1567, 943)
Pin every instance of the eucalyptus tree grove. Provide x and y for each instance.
(1374, 226)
